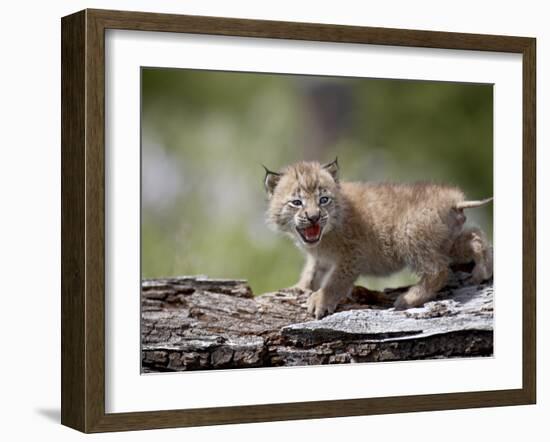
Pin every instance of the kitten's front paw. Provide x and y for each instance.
(319, 304)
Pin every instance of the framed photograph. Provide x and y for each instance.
(267, 221)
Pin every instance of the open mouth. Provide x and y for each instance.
(311, 234)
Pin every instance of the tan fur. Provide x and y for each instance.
(373, 229)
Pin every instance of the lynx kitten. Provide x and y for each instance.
(350, 229)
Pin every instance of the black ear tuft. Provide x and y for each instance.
(332, 168)
(271, 180)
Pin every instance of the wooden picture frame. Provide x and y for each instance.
(83, 220)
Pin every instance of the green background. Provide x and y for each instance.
(205, 135)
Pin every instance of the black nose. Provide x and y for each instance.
(314, 217)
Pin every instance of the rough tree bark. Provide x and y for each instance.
(196, 323)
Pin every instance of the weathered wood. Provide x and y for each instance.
(196, 323)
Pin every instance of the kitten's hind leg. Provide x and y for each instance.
(424, 291)
(472, 245)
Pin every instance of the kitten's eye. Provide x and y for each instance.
(295, 203)
(324, 200)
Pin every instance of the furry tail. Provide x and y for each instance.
(472, 204)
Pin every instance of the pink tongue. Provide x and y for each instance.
(312, 232)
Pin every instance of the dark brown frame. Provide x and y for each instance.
(83, 216)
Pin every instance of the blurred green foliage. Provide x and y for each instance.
(205, 135)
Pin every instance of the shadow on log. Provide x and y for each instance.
(196, 323)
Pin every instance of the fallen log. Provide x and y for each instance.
(197, 323)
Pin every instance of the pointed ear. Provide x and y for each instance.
(332, 168)
(270, 181)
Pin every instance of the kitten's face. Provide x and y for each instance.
(304, 201)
